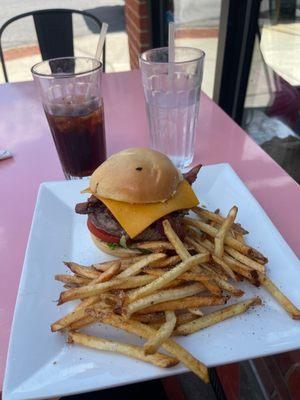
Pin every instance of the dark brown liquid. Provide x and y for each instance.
(79, 136)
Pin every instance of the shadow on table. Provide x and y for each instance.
(146, 390)
(113, 15)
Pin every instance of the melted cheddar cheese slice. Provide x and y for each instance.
(135, 218)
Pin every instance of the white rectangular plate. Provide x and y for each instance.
(41, 365)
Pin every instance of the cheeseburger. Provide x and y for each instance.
(132, 192)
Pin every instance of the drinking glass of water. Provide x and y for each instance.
(172, 90)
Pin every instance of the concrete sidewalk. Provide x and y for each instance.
(21, 59)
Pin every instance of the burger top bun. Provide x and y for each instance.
(136, 175)
(117, 252)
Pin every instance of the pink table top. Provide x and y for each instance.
(24, 131)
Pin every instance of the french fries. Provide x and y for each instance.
(107, 275)
(82, 323)
(235, 244)
(185, 255)
(72, 279)
(245, 260)
(216, 217)
(185, 303)
(163, 333)
(159, 318)
(124, 262)
(135, 268)
(217, 316)
(223, 284)
(175, 241)
(288, 306)
(85, 272)
(196, 311)
(160, 294)
(96, 289)
(235, 265)
(168, 277)
(222, 232)
(130, 350)
(187, 276)
(168, 262)
(169, 345)
(154, 246)
(75, 315)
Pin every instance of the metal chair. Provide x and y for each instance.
(54, 32)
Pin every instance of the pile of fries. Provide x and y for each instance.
(160, 295)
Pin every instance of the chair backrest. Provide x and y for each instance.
(54, 30)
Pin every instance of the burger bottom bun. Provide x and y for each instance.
(117, 252)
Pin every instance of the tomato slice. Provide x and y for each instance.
(99, 233)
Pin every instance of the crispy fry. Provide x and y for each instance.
(150, 318)
(79, 311)
(108, 274)
(235, 265)
(215, 224)
(163, 333)
(82, 323)
(225, 267)
(245, 260)
(235, 244)
(201, 249)
(157, 319)
(136, 267)
(175, 241)
(218, 218)
(168, 277)
(173, 284)
(222, 232)
(168, 262)
(217, 316)
(85, 272)
(197, 246)
(288, 306)
(241, 269)
(185, 255)
(104, 265)
(125, 262)
(182, 304)
(162, 296)
(187, 276)
(196, 311)
(223, 284)
(72, 279)
(240, 237)
(155, 246)
(92, 290)
(212, 287)
(158, 359)
(233, 233)
(184, 318)
(70, 285)
(75, 315)
(172, 347)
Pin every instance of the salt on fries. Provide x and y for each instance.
(160, 295)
